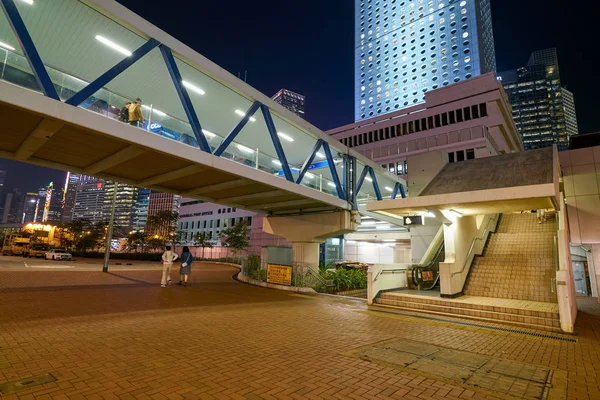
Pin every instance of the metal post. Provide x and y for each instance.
(149, 118)
(4, 65)
(320, 183)
(110, 228)
(257, 158)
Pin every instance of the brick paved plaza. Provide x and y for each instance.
(120, 335)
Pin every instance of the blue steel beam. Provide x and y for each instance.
(238, 128)
(309, 160)
(396, 189)
(277, 143)
(402, 192)
(33, 57)
(353, 183)
(375, 183)
(361, 180)
(186, 102)
(111, 74)
(334, 174)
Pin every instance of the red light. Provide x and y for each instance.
(99, 186)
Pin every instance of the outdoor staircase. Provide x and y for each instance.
(518, 262)
(510, 284)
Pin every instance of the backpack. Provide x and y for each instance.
(124, 114)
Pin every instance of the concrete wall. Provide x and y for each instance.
(581, 175)
(374, 253)
(424, 167)
(565, 284)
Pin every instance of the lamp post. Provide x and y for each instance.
(110, 229)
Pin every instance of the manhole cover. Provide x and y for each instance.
(12, 387)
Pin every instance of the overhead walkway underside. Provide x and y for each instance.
(41, 131)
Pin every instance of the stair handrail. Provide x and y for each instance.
(388, 271)
(484, 236)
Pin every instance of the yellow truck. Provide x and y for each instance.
(37, 250)
(14, 245)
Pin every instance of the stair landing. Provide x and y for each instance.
(524, 313)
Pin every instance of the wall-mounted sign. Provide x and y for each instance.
(279, 274)
(427, 276)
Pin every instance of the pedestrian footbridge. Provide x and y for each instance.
(67, 67)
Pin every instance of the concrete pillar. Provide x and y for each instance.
(594, 257)
(305, 232)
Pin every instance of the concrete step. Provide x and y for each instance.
(499, 314)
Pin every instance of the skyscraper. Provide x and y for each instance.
(543, 110)
(32, 203)
(126, 199)
(406, 48)
(69, 194)
(290, 100)
(89, 199)
(141, 209)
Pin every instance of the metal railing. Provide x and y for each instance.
(389, 271)
(483, 237)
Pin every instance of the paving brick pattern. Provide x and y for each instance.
(121, 336)
(518, 262)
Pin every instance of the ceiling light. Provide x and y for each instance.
(193, 88)
(7, 46)
(389, 189)
(331, 184)
(276, 162)
(368, 179)
(320, 155)
(350, 241)
(430, 214)
(309, 175)
(286, 137)
(381, 227)
(368, 223)
(245, 149)
(30, 2)
(208, 133)
(390, 240)
(154, 111)
(243, 114)
(113, 45)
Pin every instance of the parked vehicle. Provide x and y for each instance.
(59, 254)
(14, 245)
(37, 250)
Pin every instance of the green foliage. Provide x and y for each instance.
(203, 240)
(162, 227)
(258, 274)
(136, 240)
(236, 236)
(82, 234)
(346, 279)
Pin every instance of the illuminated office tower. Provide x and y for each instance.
(406, 48)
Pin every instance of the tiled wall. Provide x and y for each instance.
(581, 172)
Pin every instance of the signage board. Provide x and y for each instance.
(279, 274)
(414, 220)
(427, 276)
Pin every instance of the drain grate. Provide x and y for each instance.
(493, 328)
(26, 383)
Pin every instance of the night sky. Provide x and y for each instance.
(309, 48)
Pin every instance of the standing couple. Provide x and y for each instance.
(186, 266)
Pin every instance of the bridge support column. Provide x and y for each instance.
(306, 232)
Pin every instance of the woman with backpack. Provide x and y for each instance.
(186, 266)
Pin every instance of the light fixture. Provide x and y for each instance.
(30, 2)
(193, 88)
(154, 111)
(389, 189)
(7, 46)
(309, 175)
(243, 114)
(245, 149)
(430, 214)
(276, 162)
(320, 155)
(390, 240)
(331, 184)
(381, 227)
(368, 223)
(350, 241)
(455, 213)
(208, 133)
(286, 137)
(368, 179)
(113, 45)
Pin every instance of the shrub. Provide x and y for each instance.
(344, 279)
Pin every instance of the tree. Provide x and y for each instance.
(235, 237)
(204, 240)
(163, 226)
(135, 240)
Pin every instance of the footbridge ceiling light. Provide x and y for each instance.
(286, 137)
(113, 45)
(243, 114)
(7, 46)
(193, 87)
(455, 213)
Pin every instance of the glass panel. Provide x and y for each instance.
(77, 40)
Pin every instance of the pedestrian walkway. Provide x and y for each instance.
(120, 335)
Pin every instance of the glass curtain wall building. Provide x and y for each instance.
(543, 110)
(405, 48)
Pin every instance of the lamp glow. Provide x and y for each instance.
(7, 46)
(389, 189)
(331, 184)
(30, 2)
(113, 45)
(193, 87)
(154, 111)
(243, 114)
(286, 137)
(455, 213)
(276, 162)
(320, 155)
(245, 149)
(368, 179)
(208, 133)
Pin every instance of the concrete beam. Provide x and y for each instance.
(253, 196)
(119, 157)
(362, 209)
(218, 187)
(169, 176)
(290, 203)
(36, 139)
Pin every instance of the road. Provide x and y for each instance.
(10, 263)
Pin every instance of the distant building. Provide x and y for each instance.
(31, 205)
(13, 207)
(89, 199)
(127, 197)
(543, 110)
(141, 209)
(290, 100)
(69, 194)
(405, 49)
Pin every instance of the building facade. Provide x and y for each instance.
(89, 199)
(140, 216)
(542, 108)
(31, 206)
(290, 100)
(125, 201)
(69, 194)
(403, 49)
